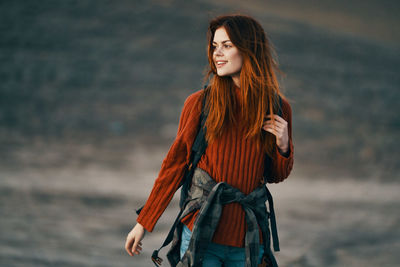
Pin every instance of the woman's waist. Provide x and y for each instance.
(230, 212)
(244, 182)
(231, 228)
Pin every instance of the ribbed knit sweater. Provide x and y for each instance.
(232, 159)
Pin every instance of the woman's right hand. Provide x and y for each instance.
(133, 244)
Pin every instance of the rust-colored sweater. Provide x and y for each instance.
(232, 159)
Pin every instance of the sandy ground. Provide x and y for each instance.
(80, 217)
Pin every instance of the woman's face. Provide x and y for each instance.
(226, 56)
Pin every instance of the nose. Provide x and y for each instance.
(218, 51)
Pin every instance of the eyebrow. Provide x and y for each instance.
(222, 41)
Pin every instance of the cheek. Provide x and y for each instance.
(238, 60)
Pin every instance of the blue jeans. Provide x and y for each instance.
(217, 254)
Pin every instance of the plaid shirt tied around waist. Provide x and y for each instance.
(208, 196)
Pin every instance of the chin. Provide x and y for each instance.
(222, 74)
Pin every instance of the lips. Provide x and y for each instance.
(220, 63)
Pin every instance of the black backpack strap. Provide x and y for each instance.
(198, 148)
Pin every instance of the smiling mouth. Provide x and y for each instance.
(220, 63)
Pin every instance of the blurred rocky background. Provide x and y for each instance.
(90, 97)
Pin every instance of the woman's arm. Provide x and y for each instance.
(170, 176)
(173, 166)
(282, 161)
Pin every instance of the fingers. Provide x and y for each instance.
(133, 247)
(276, 117)
(133, 244)
(137, 247)
(128, 245)
(276, 126)
(274, 132)
(278, 129)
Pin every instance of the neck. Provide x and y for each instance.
(236, 80)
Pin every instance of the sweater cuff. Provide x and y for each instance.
(286, 154)
(284, 157)
(146, 225)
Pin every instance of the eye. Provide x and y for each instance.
(227, 46)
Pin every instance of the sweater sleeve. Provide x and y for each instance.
(173, 166)
(282, 164)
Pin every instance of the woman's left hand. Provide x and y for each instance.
(280, 131)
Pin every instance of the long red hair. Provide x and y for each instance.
(259, 87)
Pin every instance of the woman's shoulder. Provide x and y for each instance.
(193, 100)
(191, 111)
(196, 96)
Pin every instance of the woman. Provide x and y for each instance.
(242, 129)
